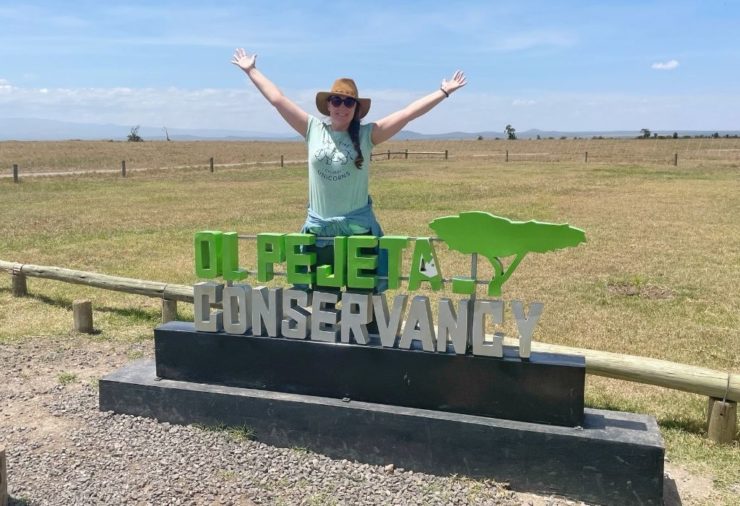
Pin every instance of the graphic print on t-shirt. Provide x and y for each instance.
(335, 157)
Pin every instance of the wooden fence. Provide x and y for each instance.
(16, 172)
(405, 154)
(722, 388)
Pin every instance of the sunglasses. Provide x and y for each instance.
(347, 101)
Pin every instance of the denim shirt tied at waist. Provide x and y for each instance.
(328, 228)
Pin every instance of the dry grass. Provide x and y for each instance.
(651, 230)
(67, 156)
(657, 277)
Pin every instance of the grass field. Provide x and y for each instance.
(35, 157)
(658, 276)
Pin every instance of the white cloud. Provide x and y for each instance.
(669, 65)
(246, 110)
(242, 109)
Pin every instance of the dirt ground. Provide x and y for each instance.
(33, 369)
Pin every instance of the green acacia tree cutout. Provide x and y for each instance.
(495, 237)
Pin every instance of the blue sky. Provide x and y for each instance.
(550, 65)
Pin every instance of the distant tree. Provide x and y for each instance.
(715, 135)
(133, 136)
(510, 132)
(538, 137)
(655, 135)
(675, 135)
(480, 137)
(645, 133)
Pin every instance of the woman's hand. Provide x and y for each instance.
(243, 60)
(457, 81)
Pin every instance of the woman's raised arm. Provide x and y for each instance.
(289, 110)
(389, 126)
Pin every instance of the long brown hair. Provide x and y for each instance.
(354, 135)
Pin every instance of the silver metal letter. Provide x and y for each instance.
(389, 327)
(419, 325)
(205, 294)
(453, 328)
(237, 309)
(324, 320)
(354, 322)
(267, 311)
(297, 319)
(495, 308)
(525, 324)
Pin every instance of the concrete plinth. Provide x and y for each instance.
(545, 388)
(614, 458)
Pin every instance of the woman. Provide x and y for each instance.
(339, 152)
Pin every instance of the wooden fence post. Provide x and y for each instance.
(507, 155)
(721, 420)
(18, 284)
(169, 310)
(389, 154)
(446, 154)
(15, 176)
(82, 314)
(123, 168)
(3, 478)
(407, 154)
(282, 161)
(211, 164)
(675, 159)
(586, 159)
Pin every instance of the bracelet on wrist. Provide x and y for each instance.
(447, 95)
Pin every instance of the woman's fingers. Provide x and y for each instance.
(243, 59)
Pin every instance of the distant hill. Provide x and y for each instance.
(545, 134)
(30, 129)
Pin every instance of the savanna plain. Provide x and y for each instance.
(657, 277)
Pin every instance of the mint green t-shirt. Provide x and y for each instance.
(335, 185)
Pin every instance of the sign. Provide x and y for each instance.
(301, 314)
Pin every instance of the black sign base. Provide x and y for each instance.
(614, 458)
(546, 388)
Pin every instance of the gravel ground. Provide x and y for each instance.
(61, 450)
(119, 459)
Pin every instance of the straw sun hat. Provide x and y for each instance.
(343, 87)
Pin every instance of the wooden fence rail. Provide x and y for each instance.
(212, 165)
(699, 380)
(156, 289)
(406, 153)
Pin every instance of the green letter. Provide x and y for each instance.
(299, 263)
(463, 285)
(357, 263)
(270, 250)
(208, 254)
(336, 277)
(395, 246)
(230, 258)
(424, 265)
